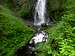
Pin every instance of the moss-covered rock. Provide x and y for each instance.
(55, 8)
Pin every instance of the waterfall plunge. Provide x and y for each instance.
(40, 10)
(39, 20)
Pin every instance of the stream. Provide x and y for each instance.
(40, 18)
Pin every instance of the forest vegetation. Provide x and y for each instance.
(15, 32)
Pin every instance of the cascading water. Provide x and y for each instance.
(40, 12)
(40, 36)
(40, 18)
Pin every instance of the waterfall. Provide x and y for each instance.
(40, 18)
(40, 12)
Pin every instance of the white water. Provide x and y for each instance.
(39, 19)
(40, 10)
(39, 37)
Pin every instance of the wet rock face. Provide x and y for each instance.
(55, 4)
(55, 8)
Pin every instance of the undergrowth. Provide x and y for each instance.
(14, 33)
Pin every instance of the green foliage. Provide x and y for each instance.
(7, 3)
(14, 33)
(24, 7)
(19, 7)
(61, 40)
